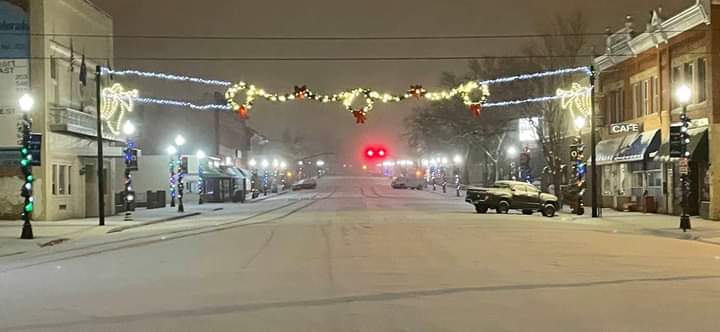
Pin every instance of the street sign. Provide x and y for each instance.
(132, 163)
(683, 167)
(35, 149)
(677, 147)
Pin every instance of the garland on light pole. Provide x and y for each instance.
(26, 167)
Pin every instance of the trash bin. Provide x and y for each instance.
(649, 205)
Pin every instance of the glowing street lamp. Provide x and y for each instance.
(179, 140)
(683, 94)
(512, 151)
(265, 164)
(128, 128)
(580, 122)
(457, 159)
(252, 163)
(320, 163)
(201, 154)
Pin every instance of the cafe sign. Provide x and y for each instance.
(621, 128)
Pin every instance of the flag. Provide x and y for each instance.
(83, 71)
(107, 62)
(72, 57)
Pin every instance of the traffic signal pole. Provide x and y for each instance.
(596, 210)
(100, 156)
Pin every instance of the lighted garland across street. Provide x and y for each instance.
(472, 93)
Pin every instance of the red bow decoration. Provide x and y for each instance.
(243, 112)
(475, 109)
(301, 92)
(360, 116)
(417, 91)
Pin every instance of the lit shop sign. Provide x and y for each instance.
(621, 128)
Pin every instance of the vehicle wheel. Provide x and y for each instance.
(527, 212)
(549, 210)
(481, 209)
(503, 207)
(580, 211)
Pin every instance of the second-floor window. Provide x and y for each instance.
(694, 75)
(640, 98)
(614, 106)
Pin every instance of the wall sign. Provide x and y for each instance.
(621, 128)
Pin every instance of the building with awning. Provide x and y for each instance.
(637, 78)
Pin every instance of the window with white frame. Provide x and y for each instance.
(640, 98)
(692, 73)
(61, 180)
(701, 83)
(655, 106)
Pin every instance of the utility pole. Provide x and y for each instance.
(100, 157)
(596, 210)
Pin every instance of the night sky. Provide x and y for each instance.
(330, 123)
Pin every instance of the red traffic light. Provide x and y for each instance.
(375, 152)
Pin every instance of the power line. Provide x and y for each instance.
(325, 38)
(336, 59)
(349, 59)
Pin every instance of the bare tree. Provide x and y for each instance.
(563, 46)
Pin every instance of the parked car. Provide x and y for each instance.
(305, 184)
(506, 195)
(403, 182)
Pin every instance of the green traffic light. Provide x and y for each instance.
(24, 151)
(29, 207)
(30, 178)
(24, 162)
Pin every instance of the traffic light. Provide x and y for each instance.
(374, 152)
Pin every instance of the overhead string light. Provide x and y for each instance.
(162, 76)
(167, 102)
(524, 77)
(474, 94)
(534, 100)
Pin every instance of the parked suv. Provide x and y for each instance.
(506, 195)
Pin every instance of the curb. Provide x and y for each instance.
(267, 197)
(152, 222)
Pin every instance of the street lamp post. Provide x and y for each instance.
(172, 151)
(683, 94)
(201, 185)
(596, 209)
(129, 130)
(26, 105)
(577, 153)
(179, 142)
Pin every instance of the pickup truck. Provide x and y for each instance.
(503, 196)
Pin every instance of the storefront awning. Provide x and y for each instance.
(210, 172)
(639, 147)
(605, 150)
(233, 172)
(698, 146)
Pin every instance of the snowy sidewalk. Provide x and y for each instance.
(651, 224)
(50, 233)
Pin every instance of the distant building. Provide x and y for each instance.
(637, 78)
(64, 112)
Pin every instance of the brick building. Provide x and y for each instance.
(636, 83)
